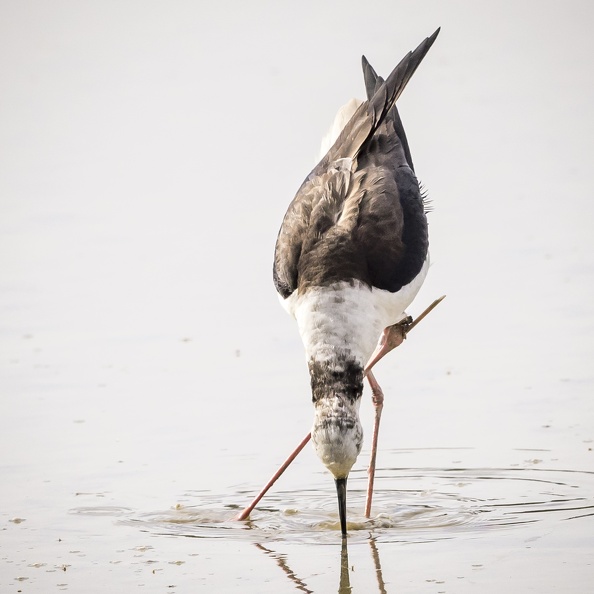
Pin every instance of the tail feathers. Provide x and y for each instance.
(388, 93)
(373, 82)
(371, 113)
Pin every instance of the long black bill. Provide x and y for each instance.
(341, 492)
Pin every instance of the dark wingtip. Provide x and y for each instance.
(372, 80)
(426, 45)
(429, 41)
(433, 37)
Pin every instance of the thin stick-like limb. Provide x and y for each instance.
(378, 403)
(425, 312)
(248, 510)
(391, 338)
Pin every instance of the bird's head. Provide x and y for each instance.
(337, 436)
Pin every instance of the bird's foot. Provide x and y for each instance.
(396, 334)
(391, 337)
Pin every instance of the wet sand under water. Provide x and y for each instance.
(150, 381)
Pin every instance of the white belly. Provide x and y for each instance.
(345, 316)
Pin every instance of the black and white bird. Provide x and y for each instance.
(351, 255)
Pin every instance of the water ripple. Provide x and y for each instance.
(429, 504)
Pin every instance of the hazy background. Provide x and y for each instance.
(148, 153)
(150, 149)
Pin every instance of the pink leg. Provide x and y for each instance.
(378, 402)
(248, 510)
(391, 337)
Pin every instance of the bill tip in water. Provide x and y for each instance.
(341, 493)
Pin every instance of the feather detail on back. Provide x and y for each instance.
(359, 215)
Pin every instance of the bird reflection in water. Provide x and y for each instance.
(344, 586)
(378, 567)
(281, 561)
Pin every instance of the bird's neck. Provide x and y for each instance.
(339, 330)
(338, 379)
(337, 435)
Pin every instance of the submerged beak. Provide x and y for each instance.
(341, 492)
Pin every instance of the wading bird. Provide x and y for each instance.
(351, 255)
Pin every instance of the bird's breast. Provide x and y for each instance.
(348, 316)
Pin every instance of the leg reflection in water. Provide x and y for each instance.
(344, 586)
(378, 566)
(345, 581)
(281, 561)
